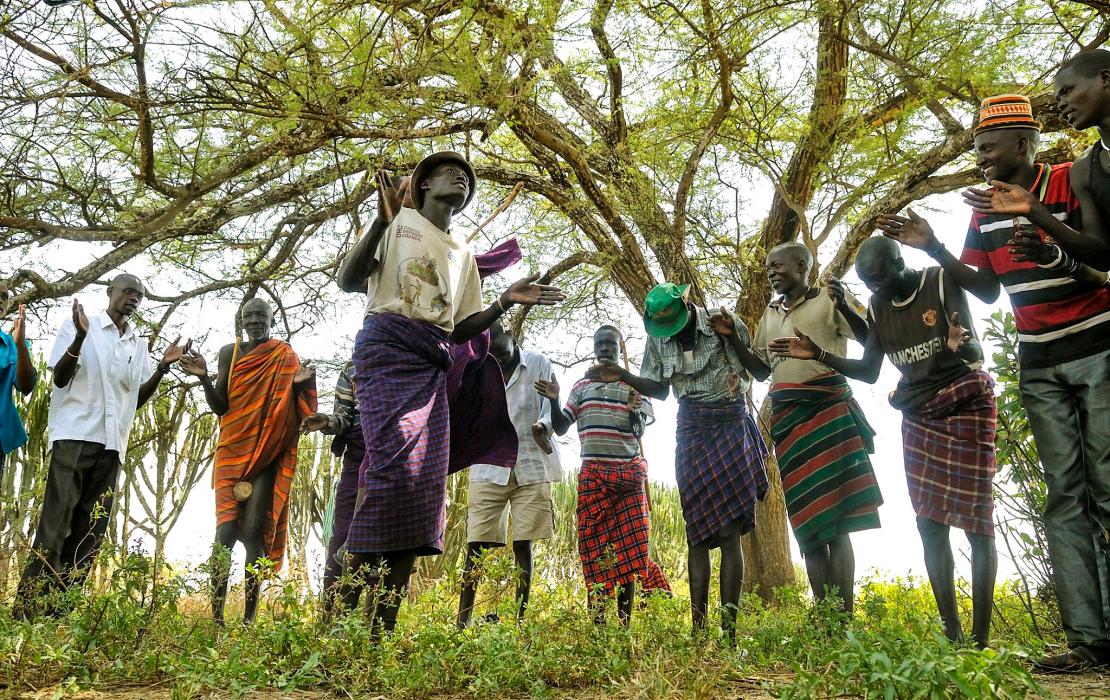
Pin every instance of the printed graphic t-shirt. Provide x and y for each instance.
(424, 273)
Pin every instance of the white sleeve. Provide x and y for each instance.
(66, 334)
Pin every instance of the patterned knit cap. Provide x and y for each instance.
(1006, 112)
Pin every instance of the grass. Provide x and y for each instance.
(132, 634)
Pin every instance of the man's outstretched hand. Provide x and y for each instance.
(1004, 198)
(910, 230)
(528, 292)
(800, 347)
(604, 371)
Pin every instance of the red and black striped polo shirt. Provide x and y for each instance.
(1058, 319)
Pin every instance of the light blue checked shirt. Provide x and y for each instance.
(700, 374)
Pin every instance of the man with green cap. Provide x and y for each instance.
(719, 453)
(423, 293)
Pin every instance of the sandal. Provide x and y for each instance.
(1075, 660)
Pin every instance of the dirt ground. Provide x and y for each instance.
(1087, 685)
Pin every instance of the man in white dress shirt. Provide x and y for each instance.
(102, 374)
(525, 490)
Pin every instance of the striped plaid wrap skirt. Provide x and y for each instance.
(948, 445)
(401, 386)
(613, 522)
(822, 442)
(719, 467)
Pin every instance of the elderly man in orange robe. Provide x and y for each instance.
(262, 392)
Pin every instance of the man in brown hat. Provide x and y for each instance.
(1083, 99)
(423, 293)
(1062, 313)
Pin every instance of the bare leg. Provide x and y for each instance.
(842, 570)
(699, 585)
(256, 517)
(625, 596)
(941, 567)
(522, 552)
(817, 570)
(470, 577)
(227, 535)
(984, 569)
(387, 577)
(732, 578)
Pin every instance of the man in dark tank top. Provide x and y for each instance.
(1038, 233)
(948, 415)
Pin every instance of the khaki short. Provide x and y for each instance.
(487, 513)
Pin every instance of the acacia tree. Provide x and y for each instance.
(656, 139)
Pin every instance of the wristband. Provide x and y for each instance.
(162, 369)
(934, 251)
(821, 356)
(76, 357)
(501, 305)
(1056, 261)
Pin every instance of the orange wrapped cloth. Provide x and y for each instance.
(261, 429)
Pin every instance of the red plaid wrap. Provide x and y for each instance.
(948, 446)
(613, 522)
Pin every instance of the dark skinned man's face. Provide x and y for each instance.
(5, 300)
(257, 319)
(1001, 153)
(447, 181)
(606, 346)
(502, 347)
(124, 295)
(785, 271)
(881, 276)
(1083, 101)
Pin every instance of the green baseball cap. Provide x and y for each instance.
(665, 311)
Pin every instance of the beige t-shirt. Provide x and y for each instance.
(816, 317)
(424, 273)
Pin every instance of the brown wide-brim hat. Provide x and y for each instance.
(425, 168)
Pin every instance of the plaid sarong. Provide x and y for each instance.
(613, 522)
(948, 445)
(822, 441)
(400, 382)
(346, 491)
(654, 580)
(719, 468)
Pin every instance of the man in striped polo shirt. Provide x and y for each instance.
(1062, 312)
(613, 519)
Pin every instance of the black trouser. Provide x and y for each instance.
(74, 518)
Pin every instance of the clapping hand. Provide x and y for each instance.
(909, 230)
(799, 347)
(317, 421)
(1027, 246)
(722, 323)
(528, 292)
(836, 291)
(542, 437)
(1005, 198)
(958, 336)
(635, 401)
(548, 388)
(305, 372)
(391, 197)
(192, 362)
(175, 352)
(80, 322)
(19, 332)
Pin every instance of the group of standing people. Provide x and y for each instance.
(437, 385)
